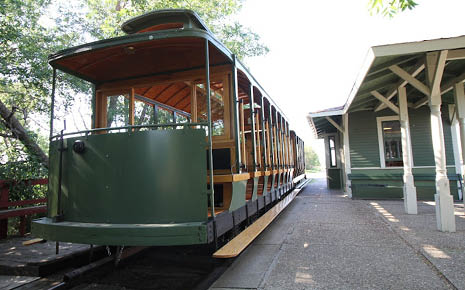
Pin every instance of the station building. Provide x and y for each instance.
(402, 130)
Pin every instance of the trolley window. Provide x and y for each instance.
(117, 110)
(144, 113)
(218, 101)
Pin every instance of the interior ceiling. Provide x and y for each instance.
(139, 59)
(178, 95)
(385, 82)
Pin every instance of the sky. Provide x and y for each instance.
(318, 47)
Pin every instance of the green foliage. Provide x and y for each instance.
(18, 165)
(25, 76)
(25, 83)
(390, 7)
(105, 19)
(311, 159)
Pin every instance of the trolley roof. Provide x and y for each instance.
(164, 19)
(159, 42)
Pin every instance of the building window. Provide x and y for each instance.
(391, 141)
(332, 151)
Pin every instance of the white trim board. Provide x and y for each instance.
(396, 167)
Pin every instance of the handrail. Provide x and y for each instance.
(86, 132)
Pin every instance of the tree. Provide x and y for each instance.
(25, 43)
(390, 7)
(25, 78)
(312, 162)
(105, 19)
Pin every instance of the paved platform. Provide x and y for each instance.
(325, 240)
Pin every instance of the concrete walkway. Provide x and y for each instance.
(324, 240)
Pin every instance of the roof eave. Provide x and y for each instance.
(419, 46)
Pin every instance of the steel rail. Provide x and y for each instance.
(210, 140)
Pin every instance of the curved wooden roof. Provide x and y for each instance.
(159, 43)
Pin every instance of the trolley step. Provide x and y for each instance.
(241, 241)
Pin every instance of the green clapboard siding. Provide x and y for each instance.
(387, 183)
(447, 135)
(363, 139)
(363, 134)
(420, 133)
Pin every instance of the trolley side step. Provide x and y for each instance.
(241, 241)
(33, 241)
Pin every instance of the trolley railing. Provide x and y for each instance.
(131, 128)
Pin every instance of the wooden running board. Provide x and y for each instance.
(241, 241)
(33, 241)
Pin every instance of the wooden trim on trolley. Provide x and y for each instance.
(195, 74)
(229, 177)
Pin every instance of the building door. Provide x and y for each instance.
(333, 161)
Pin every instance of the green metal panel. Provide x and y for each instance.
(276, 181)
(238, 194)
(156, 176)
(52, 202)
(122, 234)
(255, 188)
(265, 185)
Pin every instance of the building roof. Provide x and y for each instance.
(385, 69)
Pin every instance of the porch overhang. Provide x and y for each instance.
(388, 67)
(404, 77)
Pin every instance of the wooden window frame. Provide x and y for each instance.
(379, 121)
(332, 137)
(226, 80)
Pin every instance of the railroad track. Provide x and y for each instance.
(175, 267)
(151, 268)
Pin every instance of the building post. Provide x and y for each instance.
(410, 191)
(459, 96)
(455, 145)
(347, 164)
(444, 201)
